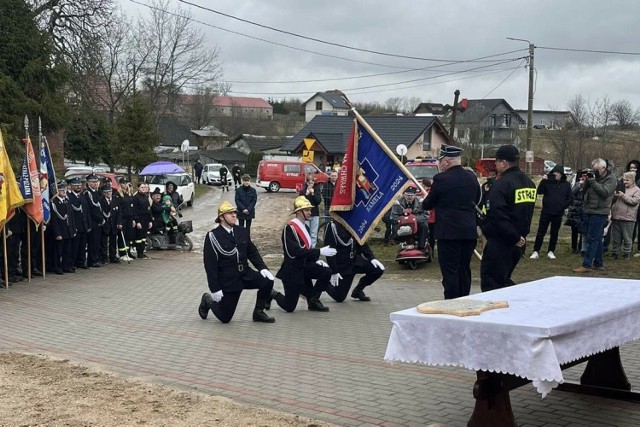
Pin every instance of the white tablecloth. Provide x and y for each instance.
(549, 322)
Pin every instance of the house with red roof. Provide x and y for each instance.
(238, 106)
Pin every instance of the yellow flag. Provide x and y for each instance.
(10, 195)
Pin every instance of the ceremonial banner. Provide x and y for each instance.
(30, 184)
(48, 183)
(369, 181)
(10, 196)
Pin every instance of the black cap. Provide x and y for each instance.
(410, 190)
(450, 151)
(123, 180)
(75, 181)
(92, 177)
(63, 185)
(508, 153)
(106, 187)
(156, 191)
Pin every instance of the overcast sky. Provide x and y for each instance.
(446, 30)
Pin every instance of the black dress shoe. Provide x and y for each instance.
(68, 270)
(59, 272)
(205, 304)
(359, 294)
(15, 279)
(96, 265)
(261, 316)
(36, 272)
(316, 305)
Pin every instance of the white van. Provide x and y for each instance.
(211, 174)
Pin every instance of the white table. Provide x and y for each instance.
(549, 325)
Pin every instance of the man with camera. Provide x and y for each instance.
(599, 189)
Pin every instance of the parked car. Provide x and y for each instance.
(550, 164)
(183, 182)
(211, 174)
(112, 178)
(81, 169)
(276, 174)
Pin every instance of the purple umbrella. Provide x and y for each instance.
(161, 168)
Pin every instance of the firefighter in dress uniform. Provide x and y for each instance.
(301, 264)
(96, 221)
(227, 253)
(142, 217)
(62, 229)
(111, 213)
(351, 258)
(81, 221)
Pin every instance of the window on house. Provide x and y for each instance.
(426, 143)
(492, 121)
(318, 105)
(506, 121)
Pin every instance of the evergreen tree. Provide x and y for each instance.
(136, 135)
(31, 81)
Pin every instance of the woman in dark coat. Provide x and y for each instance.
(246, 199)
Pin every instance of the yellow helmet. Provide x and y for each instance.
(224, 208)
(300, 203)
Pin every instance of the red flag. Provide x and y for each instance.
(344, 192)
(33, 206)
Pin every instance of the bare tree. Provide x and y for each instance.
(199, 109)
(395, 104)
(624, 115)
(579, 111)
(412, 103)
(72, 23)
(179, 57)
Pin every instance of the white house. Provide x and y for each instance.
(328, 103)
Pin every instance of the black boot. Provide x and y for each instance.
(314, 304)
(205, 304)
(273, 295)
(259, 315)
(358, 293)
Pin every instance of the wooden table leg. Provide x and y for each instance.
(493, 407)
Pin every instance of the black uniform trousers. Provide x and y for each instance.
(292, 291)
(454, 257)
(499, 259)
(62, 255)
(226, 308)
(245, 223)
(543, 225)
(13, 254)
(79, 244)
(126, 237)
(371, 274)
(93, 246)
(36, 250)
(141, 237)
(108, 243)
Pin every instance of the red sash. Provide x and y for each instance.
(301, 234)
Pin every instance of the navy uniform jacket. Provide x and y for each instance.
(510, 204)
(141, 208)
(61, 222)
(222, 255)
(349, 252)
(296, 257)
(454, 194)
(95, 210)
(116, 214)
(80, 211)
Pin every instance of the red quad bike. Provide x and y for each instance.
(407, 237)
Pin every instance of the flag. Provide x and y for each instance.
(369, 181)
(10, 196)
(30, 184)
(47, 175)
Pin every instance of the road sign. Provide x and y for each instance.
(308, 143)
(307, 156)
(529, 157)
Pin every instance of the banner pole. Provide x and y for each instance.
(6, 263)
(28, 248)
(44, 268)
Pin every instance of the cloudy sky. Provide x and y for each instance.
(437, 35)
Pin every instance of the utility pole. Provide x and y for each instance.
(457, 106)
(530, 101)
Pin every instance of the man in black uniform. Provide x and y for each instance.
(510, 204)
(301, 265)
(453, 194)
(111, 213)
(236, 172)
(96, 221)
(81, 221)
(62, 230)
(351, 259)
(227, 253)
(223, 171)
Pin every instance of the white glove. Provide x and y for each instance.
(266, 274)
(321, 263)
(335, 279)
(377, 264)
(217, 296)
(327, 251)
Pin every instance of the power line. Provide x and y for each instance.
(374, 86)
(612, 52)
(265, 40)
(504, 80)
(289, 33)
